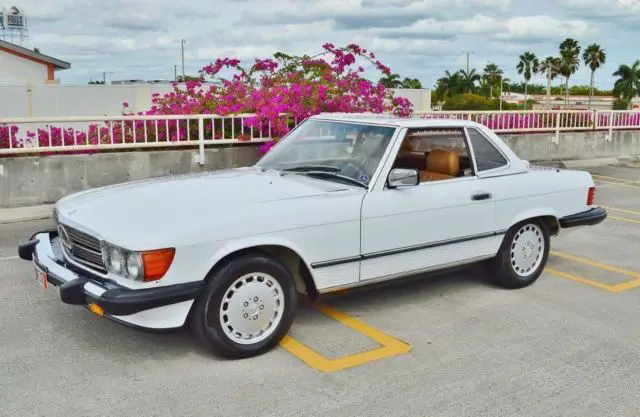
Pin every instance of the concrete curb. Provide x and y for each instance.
(26, 214)
(588, 163)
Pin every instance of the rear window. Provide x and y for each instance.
(487, 155)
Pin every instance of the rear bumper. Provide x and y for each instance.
(79, 287)
(586, 218)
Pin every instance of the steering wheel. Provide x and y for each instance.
(358, 170)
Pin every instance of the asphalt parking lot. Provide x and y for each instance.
(450, 345)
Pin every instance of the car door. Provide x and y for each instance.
(492, 166)
(432, 225)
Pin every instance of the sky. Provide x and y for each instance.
(141, 39)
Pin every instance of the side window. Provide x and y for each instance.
(487, 156)
(438, 153)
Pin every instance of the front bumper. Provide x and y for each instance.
(590, 217)
(78, 287)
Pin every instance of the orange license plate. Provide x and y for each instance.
(41, 277)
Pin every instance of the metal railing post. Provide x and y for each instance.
(201, 140)
(556, 138)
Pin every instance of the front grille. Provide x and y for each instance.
(81, 247)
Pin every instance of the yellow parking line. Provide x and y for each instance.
(615, 288)
(611, 178)
(595, 264)
(637, 213)
(390, 346)
(620, 184)
(623, 219)
(579, 279)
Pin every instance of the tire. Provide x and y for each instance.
(264, 288)
(522, 255)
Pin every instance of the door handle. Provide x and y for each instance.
(481, 196)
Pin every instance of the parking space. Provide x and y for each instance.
(449, 345)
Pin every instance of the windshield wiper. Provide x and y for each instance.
(306, 168)
(334, 176)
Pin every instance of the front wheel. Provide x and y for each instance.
(522, 255)
(246, 308)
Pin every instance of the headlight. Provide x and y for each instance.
(134, 265)
(115, 260)
(138, 266)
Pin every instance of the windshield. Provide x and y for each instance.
(333, 149)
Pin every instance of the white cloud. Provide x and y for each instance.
(543, 28)
(417, 38)
(528, 28)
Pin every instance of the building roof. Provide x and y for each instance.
(34, 56)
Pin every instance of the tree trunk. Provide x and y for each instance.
(525, 95)
(566, 93)
(593, 73)
(491, 91)
(548, 89)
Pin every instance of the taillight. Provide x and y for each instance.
(591, 196)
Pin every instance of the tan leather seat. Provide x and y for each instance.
(409, 158)
(441, 165)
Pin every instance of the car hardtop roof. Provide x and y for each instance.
(514, 165)
(388, 120)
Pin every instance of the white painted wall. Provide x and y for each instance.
(106, 100)
(17, 70)
(421, 98)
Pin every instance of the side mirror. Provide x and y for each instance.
(403, 177)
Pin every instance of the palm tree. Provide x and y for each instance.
(627, 86)
(527, 66)
(469, 79)
(570, 57)
(449, 84)
(551, 68)
(391, 81)
(411, 83)
(593, 57)
(492, 74)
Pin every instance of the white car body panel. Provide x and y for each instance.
(427, 214)
(345, 235)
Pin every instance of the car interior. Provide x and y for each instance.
(438, 154)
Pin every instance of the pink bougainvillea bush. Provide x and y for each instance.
(278, 92)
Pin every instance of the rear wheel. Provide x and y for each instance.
(246, 308)
(522, 255)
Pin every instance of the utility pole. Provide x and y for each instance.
(104, 76)
(182, 42)
(175, 73)
(501, 84)
(468, 53)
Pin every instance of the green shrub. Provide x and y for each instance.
(620, 104)
(476, 102)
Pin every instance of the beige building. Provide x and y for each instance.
(20, 65)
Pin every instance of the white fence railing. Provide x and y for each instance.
(95, 134)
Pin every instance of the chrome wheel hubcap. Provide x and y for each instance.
(251, 308)
(527, 249)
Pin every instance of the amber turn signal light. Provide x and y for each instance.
(156, 263)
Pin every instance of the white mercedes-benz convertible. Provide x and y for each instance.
(341, 201)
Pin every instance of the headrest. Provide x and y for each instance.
(443, 162)
(406, 145)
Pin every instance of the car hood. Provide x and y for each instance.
(144, 207)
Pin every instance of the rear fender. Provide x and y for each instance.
(546, 212)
